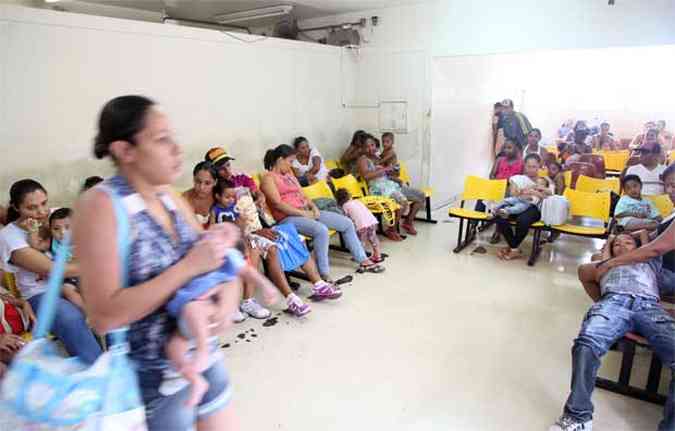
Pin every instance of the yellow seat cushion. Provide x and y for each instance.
(538, 225)
(428, 191)
(306, 238)
(467, 213)
(580, 230)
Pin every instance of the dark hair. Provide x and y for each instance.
(670, 170)
(17, 194)
(388, 135)
(537, 131)
(342, 196)
(298, 141)
(91, 182)
(534, 156)
(205, 166)
(120, 120)
(556, 164)
(280, 152)
(638, 243)
(358, 138)
(507, 103)
(630, 177)
(221, 186)
(498, 105)
(60, 214)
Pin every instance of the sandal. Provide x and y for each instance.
(372, 267)
(380, 260)
(409, 228)
(344, 280)
(502, 252)
(495, 238)
(513, 255)
(393, 235)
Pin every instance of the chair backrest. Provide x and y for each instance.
(332, 164)
(9, 282)
(663, 204)
(350, 183)
(593, 185)
(256, 179)
(318, 190)
(476, 188)
(615, 160)
(592, 205)
(404, 174)
(567, 175)
(543, 173)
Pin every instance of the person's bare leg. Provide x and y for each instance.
(276, 273)
(414, 209)
(195, 314)
(311, 270)
(71, 294)
(176, 351)
(249, 287)
(223, 420)
(375, 244)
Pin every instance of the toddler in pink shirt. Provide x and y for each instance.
(364, 221)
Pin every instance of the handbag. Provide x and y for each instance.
(43, 391)
(291, 251)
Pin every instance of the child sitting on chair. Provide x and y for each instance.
(50, 242)
(388, 157)
(515, 205)
(633, 211)
(364, 221)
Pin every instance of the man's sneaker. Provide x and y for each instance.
(253, 309)
(296, 307)
(238, 316)
(566, 423)
(323, 290)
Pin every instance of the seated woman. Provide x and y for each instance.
(353, 152)
(308, 165)
(289, 205)
(627, 299)
(534, 146)
(28, 205)
(380, 184)
(16, 317)
(200, 196)
(521, 185)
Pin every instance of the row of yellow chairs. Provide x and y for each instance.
(593, 205)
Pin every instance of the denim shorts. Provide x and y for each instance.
(169, 413)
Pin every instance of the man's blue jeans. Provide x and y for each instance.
(605, 323)
(70, 326)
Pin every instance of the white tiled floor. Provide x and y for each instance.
(438, 342)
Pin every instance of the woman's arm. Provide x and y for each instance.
(587, 276)
(35, 261)
(493, 171)
(316, 166)
(274, 199)
(663, 244)
(367, 174)
(108, 304)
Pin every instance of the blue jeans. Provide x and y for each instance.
(318, 231)
(605, 323)
(70, 326)
(513, 206)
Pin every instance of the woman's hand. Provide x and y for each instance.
(267, 233)
(30, 225)
(208, 254)
(10, 343)
(29, 312)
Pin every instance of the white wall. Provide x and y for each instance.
(57, 70)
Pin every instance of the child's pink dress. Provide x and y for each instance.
(364, 221)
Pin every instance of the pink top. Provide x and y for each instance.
(506, 170)
(290, 192)
(360, 214)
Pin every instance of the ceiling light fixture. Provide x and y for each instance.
(249, 15)
(52, 1)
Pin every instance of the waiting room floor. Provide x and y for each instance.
(438, 342)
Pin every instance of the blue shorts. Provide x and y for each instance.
(169, 413)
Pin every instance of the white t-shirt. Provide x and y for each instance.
(14, 238)
(303, 169)
(651, 180)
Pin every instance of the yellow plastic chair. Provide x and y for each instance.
(350, 183)
(663, 204)
(404, 175)
(256, 179)
(378, 205)
(593, 185)
(332, 164)
(567, 177)
(9, 282)
(475, 188)
(318, 190)
(615, 161)
(589, 205)
(543, 173)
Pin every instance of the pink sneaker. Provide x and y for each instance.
(296, 307)
(323, 290)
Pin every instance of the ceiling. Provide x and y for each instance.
(206, 9)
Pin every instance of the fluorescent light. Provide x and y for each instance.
(249, 15)
(52, 1)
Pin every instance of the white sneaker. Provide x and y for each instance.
(566, 423)
(238, 316)
(253, 309)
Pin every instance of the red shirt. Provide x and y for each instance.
(506, 170)
(243, 180)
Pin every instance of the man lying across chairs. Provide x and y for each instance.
(627, 300)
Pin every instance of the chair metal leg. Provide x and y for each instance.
(469, 234)
(428, 218)
(536, 247)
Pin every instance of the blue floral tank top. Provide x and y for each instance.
(152, 250)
